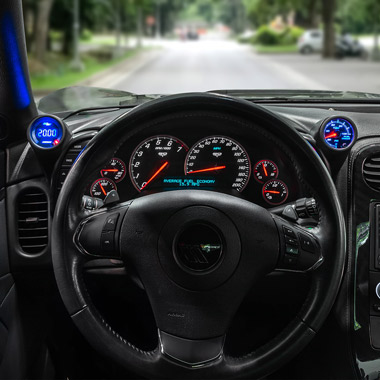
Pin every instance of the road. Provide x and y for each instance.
(224, 64)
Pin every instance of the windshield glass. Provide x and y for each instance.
(173, 46)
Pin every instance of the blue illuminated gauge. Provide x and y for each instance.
(338, 133)
(46, 132)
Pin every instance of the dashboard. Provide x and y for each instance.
(203, 152)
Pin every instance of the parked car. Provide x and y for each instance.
(311, 41)
(345, 45)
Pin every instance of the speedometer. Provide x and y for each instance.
(155, 159)
(219, 159)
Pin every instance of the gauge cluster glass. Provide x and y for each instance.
(155, 159)
(220, 159)
(163, 162)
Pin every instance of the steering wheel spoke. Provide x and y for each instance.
(97, 235)
(300, 250)
(191, 352)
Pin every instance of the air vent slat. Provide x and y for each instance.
(33, 231)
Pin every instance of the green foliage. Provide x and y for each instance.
(266, 36)
(290, 35)
(86, 35)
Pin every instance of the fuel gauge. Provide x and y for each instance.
(101, 188)
(265, 170)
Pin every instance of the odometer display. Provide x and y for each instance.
(338, 133)
(155, 159)
(219, 158)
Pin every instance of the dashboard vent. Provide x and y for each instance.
(371, 171)
(33, 221)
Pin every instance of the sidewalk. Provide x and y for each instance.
(122, 70)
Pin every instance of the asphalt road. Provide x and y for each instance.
(224, 64)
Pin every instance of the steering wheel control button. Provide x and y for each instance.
(292, 250)
(110, 224)
(306, 243)
(289, 232)
(290, 261)
(107, 241)
(199, 248)
(291, 241)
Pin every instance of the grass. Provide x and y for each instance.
(276, 49)
(59, 74)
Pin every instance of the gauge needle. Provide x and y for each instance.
(110, 170)
(207, 170)
(265, 171)
(271, 192)
(104, 192)
(156, 174)
(333, 134)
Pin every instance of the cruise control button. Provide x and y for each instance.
(290, 249)
(288, 231)
(110, 223)
(107, 241)
(306, 243)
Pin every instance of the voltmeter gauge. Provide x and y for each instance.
(115, 170)
(265, 170)
(275, 192)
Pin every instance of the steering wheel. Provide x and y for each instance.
(193, 304)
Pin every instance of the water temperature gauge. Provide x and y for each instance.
(265, 170)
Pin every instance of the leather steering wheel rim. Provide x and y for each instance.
(68, 262)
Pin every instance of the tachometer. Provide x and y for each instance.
(221, 159)
(156, 158)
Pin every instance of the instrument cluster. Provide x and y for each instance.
(216, 162)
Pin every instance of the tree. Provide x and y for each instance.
(42, 29)
(328, 16)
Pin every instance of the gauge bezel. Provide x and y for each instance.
(142, 143)
(122, 163)
(322, 133)
(102, 179)
(33, 125)
(227, 138)
(259, 162)
(275, 203)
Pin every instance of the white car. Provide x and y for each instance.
(311, 41)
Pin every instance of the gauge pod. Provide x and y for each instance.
(46, 132)
(338, 133)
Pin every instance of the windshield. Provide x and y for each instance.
(174, 46)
